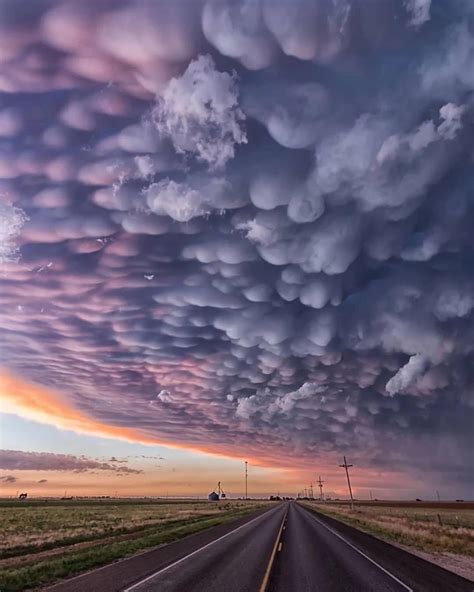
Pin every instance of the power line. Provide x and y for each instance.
(246, 478)
(320, 484)
(346, 466)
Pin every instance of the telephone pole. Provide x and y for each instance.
(346, 466)
(311, 493)
(320, 483)
(246, 478)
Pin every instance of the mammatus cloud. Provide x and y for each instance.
(40, 404)
(17, 460)
(249, 225)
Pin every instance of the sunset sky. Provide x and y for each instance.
(236, 230)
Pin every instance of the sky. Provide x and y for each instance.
(236, 230)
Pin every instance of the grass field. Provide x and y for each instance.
(436, 529)
(43, 541)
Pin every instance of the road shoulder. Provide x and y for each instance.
(402, 562)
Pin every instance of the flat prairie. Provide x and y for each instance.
(45, 540)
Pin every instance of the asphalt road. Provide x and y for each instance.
(285, 549)
(321, 554)
(236, 563)
(121, 575)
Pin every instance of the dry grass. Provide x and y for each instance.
(26, 528)
(42, 542)
(412, 526)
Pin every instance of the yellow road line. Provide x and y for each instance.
(266, 577)
(171, 565)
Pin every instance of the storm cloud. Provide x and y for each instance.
(245, 225)
(18, 460)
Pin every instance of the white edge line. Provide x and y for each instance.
(359, 551)
(159, 572)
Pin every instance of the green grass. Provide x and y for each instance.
(49, 570)
(413, 527)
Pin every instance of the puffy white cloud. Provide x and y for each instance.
(11, 223)
(198, 196)
(414, 368)
(419, 10)
(199, 112)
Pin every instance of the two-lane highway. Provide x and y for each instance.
(236, 562)
(319, 554)
(313, 558)
(231, 557)
(287, 548)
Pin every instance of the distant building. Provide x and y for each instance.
(215, 496)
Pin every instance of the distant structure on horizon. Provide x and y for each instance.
(215, 496)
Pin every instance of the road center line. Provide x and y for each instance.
(359, 551)
(160, 571)
(268, 571)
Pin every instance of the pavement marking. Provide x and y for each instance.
(361, 553)
(266, 577)
(160, 571)
(280, 546)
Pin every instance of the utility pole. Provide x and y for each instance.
(346, 466)
(311, 493)
(320, 483)
(246, 478)
(437, 494)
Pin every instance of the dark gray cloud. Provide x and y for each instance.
(19, 460)
(8, 479)
(246, 225)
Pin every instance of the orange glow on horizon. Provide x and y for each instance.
(38, 403)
